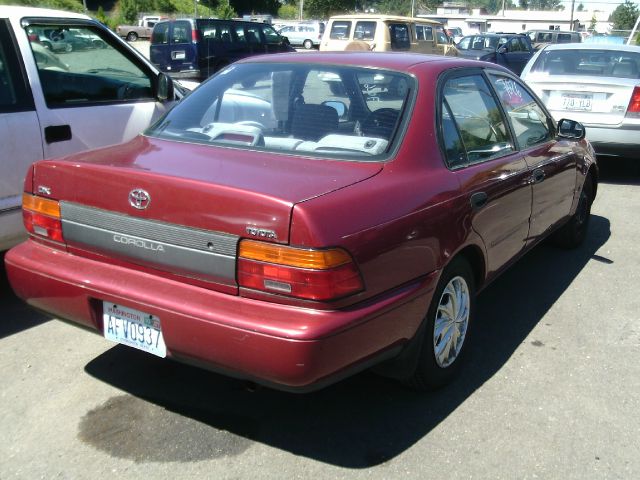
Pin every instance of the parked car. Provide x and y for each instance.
(189, 48)
(542, 38)
(511, 50)
(142, 30)
(455, 33)
(52, 105)
(386, 33)
(291, 236)
(304, 34)
(595, 84)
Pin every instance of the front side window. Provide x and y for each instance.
(329, 111)
(340, 30)
(529, 122)
(465, 43)
(270, 35)
(89, 71)
(478, 121)
(441, 35)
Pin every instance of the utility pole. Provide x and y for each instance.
(573, 2)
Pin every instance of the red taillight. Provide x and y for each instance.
(634, 103)
(194, 36)
(41, 217)
(302, 273)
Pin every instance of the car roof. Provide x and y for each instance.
(391, 60)
(384, 18)
(593, 46)
(17, 12)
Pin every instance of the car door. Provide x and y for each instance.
(20, 137)
(493, 175)
(553, 165)
(183, 52)
(91, 98)
(514, 55)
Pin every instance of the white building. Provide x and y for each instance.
(476, 21)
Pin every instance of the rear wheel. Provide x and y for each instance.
(447, 328)
(132, 36)
(573, 233)
(308, 44)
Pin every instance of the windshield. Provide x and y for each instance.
(332, 111)
(588, 62)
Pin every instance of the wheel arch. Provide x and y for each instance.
(475, 258)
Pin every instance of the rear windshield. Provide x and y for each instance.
(328, 111)
(586, 62)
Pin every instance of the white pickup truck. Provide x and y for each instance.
(143, 29)
(55, 102)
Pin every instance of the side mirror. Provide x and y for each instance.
(570, 129)
(502, 49)
(164, 88)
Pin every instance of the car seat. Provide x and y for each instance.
(312, 122)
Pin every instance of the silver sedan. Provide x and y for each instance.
(597, 85)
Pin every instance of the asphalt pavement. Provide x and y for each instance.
(552, 389)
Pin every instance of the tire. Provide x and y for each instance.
(573, 233)
(132, 36)
(47, 45)
(451, 312)
(308, 44)
(68, 48)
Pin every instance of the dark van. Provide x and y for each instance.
(189, 48)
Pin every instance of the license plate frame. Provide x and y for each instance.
(579, 102)
(134, 328)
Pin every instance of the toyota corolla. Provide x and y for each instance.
(297, 219)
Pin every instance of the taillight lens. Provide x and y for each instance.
(297, 272)
(41, 217)
(633, 110)
(194, 36)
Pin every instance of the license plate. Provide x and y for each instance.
(180, 55)
(134, 328)
(577, 102)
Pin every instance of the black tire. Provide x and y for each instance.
(308, 44)
(132, 36)
(433, 372)
(47, 45)
(573, 233)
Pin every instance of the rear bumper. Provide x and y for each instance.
(288, 347)
(619, 141)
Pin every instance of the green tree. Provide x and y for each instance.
(592, 25)
(288, 12)
(580, 7)
(128, 10)
(624, 16)
(326, 8)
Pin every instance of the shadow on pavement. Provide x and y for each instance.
(15, 315)
(365, 420)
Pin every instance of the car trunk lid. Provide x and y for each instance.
(182, 209)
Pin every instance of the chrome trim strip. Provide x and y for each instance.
(10, 209)
(198, 239)
(187, 251)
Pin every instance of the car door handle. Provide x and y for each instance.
(57, 133)
(479, 200)
(538, 176)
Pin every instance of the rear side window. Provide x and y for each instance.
(271, 35)
(364, 31)
(340, 30)
(564, 38)
(424, 32)
(480, 128)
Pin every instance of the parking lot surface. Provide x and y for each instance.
(551, 389)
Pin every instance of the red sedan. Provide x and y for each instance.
(299, 218)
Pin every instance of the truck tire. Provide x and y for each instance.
(132, 36)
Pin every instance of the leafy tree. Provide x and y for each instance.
(225, 11)
(592, 25)
(580, 7)
(325, 8)
(624, 16)
(100, 15)
(288, 12)
(128, 11)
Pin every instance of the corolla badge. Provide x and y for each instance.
(139, 198)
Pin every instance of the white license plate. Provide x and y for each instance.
(180, 55)
(134, 328)
(577, 102)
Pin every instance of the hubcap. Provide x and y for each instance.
(451, 322)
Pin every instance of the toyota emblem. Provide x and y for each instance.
(139, 199)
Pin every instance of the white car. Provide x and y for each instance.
(597, 85)
(53, 105)
(307, 35)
